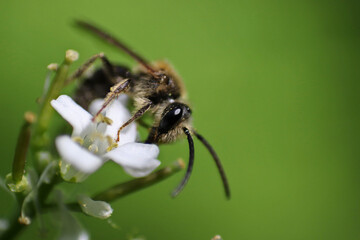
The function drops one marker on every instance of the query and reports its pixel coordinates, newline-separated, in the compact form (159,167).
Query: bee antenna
(110,39)
(190,165)
(217,161)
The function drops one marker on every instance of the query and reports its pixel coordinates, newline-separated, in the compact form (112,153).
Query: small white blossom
(93,143)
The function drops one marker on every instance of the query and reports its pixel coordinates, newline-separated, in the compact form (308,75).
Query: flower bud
(71,56)
(98,209)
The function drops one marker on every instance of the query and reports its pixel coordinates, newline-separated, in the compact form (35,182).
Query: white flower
(92,143)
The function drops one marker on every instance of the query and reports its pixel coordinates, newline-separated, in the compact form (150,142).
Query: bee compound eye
(170,119)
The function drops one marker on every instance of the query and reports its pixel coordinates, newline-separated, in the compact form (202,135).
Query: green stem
(22,148)
(15,227)
(123,189)
(111,194)
(41,141)
(46,110)
(56,86)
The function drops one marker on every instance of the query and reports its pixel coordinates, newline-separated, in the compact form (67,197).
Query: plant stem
(123,189)
(22,148)
(41,141)
(15,227)
(54,90)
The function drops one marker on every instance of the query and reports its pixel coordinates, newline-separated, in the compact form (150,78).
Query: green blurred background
(274,86)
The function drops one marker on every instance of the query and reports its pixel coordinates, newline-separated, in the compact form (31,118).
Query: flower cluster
(92,143)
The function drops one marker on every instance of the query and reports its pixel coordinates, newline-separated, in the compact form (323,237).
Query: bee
(154,88)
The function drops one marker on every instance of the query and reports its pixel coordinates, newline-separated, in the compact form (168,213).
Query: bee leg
(108,67)
(153,136)
(121,87)
(137,115)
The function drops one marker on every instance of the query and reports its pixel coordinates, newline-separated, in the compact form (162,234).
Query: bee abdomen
(98,85)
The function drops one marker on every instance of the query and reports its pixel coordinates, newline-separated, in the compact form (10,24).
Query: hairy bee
(155,88)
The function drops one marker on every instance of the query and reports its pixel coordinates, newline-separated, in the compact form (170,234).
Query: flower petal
(79,157)
(124,99)
(95,105)
(72,113)
(137,159)
(119,114)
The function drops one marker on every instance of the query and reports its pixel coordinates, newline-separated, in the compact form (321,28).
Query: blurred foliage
(274,87)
